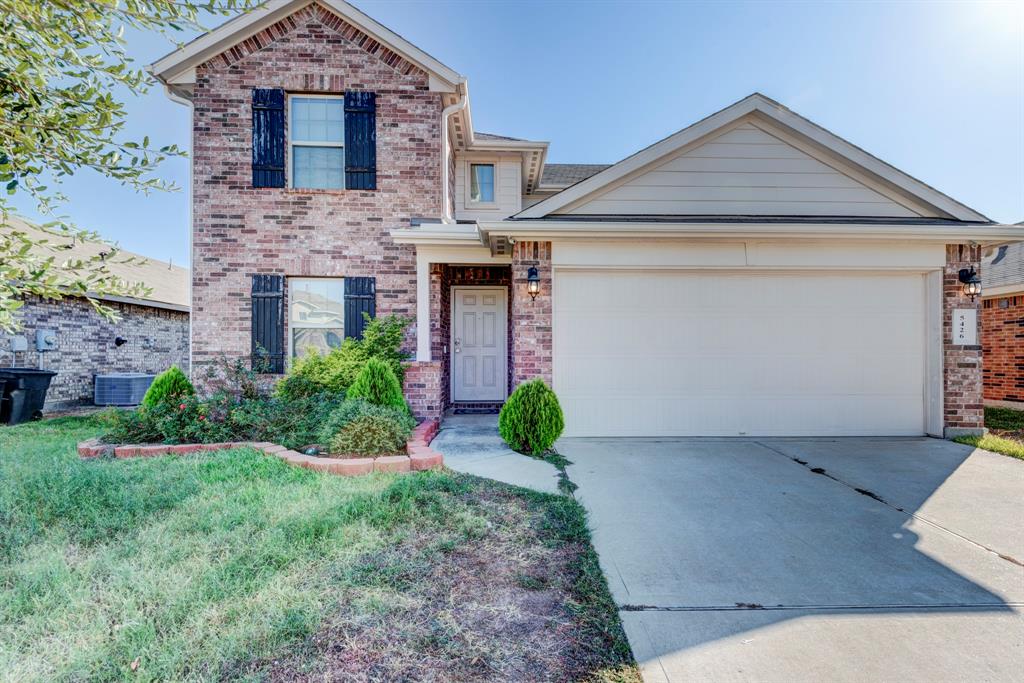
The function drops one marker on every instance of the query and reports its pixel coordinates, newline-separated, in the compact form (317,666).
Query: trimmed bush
(370,435)
(169,385)
(377,384)
(531,419)
(355,408)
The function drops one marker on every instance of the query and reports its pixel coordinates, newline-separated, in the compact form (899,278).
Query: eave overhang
(947,233)
(176,70)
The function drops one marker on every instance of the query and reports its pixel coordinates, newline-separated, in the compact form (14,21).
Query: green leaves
(61,63)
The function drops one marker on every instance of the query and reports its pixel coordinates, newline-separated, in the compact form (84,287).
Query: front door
(479,343)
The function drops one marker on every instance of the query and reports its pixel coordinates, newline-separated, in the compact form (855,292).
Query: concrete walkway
(470,444)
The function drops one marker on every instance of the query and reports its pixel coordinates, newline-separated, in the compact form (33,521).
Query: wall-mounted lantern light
(533,282)
(972,283)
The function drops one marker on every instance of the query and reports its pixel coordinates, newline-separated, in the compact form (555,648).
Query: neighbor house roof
(169,283)
(1002,271)
(756,106)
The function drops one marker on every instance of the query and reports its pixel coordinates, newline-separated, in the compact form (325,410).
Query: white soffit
(829,148)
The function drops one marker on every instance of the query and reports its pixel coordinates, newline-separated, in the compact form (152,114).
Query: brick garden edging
(419,455)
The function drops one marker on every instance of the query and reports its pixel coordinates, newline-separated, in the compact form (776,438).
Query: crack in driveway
(870,494)
(744,606)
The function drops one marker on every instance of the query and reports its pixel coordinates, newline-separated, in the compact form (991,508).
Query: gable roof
(829,146)
(177,69)
(168,283)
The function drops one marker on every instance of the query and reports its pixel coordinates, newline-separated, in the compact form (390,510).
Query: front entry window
(316,314)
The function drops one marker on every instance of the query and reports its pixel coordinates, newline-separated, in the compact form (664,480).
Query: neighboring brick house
(751,274)
(150,335)
(1002,324)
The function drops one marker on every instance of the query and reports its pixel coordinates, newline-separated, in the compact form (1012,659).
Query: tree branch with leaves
(61,63)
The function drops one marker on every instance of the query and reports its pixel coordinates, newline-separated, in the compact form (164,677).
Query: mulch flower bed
(418,456)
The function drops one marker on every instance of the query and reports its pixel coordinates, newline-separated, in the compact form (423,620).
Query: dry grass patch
(236,566)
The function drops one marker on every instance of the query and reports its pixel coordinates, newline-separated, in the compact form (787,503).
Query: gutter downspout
(446,209)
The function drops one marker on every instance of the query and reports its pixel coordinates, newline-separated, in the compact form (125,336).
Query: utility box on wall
(46,340)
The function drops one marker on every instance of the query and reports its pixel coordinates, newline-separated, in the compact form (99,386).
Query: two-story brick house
(751,274)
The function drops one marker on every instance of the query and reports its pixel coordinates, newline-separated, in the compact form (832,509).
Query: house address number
(965,326)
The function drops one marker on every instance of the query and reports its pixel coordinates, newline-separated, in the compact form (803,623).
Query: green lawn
(237,566)
(1006,433)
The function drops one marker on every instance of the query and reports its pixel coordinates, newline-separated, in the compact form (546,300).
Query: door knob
(458,345)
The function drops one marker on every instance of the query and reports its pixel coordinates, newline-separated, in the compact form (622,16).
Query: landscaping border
(419,455)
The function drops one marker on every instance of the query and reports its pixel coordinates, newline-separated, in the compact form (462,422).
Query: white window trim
(288,162)
(291,326)
(469,203)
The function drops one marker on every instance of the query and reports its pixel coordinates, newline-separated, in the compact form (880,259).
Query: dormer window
(481,183)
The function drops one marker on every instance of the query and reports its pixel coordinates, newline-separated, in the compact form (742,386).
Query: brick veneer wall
(964,407)
(423,389)
(1002,340)
(239,230)
(531,319)
(156,339)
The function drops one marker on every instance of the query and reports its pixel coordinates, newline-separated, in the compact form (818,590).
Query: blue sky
(934,88)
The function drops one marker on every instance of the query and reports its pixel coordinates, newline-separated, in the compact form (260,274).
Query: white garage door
(657,353)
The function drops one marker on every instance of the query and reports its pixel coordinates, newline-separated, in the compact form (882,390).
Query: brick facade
(155,340)
(1002,339)
(531,319)
(239,230)
(962,383)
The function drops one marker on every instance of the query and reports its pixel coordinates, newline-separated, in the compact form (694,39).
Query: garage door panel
(663,353)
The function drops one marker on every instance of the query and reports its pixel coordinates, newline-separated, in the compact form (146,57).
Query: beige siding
(507,192)
(744,171)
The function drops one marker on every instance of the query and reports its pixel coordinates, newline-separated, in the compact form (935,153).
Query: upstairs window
(316,142)
(481,183)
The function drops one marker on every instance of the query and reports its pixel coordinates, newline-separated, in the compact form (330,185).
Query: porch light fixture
(972,283)
(533,282)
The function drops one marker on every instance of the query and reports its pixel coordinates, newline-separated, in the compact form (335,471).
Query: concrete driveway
(810,559)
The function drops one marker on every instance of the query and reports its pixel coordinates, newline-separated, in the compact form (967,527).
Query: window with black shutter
(268,323)
(268,139)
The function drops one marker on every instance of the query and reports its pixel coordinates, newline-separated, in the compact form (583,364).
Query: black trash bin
(23,394)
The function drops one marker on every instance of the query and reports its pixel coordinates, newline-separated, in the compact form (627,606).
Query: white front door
(479,343)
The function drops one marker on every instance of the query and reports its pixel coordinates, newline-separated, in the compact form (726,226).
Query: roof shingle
(569,174)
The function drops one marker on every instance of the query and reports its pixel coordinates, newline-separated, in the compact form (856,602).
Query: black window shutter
(268,322)
(360,297)
(268,142)
(360,140)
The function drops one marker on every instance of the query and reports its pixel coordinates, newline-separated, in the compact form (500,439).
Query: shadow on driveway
(800,559)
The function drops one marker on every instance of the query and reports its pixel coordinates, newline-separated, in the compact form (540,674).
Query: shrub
(337,371)
(169,385)
(370,435)
(378,385)
(293,423)
(355,408)
(129,426)
(531,419)
(194,420)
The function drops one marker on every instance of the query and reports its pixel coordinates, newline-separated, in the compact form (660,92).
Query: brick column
(422,389)
(963,410)
(531,319)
